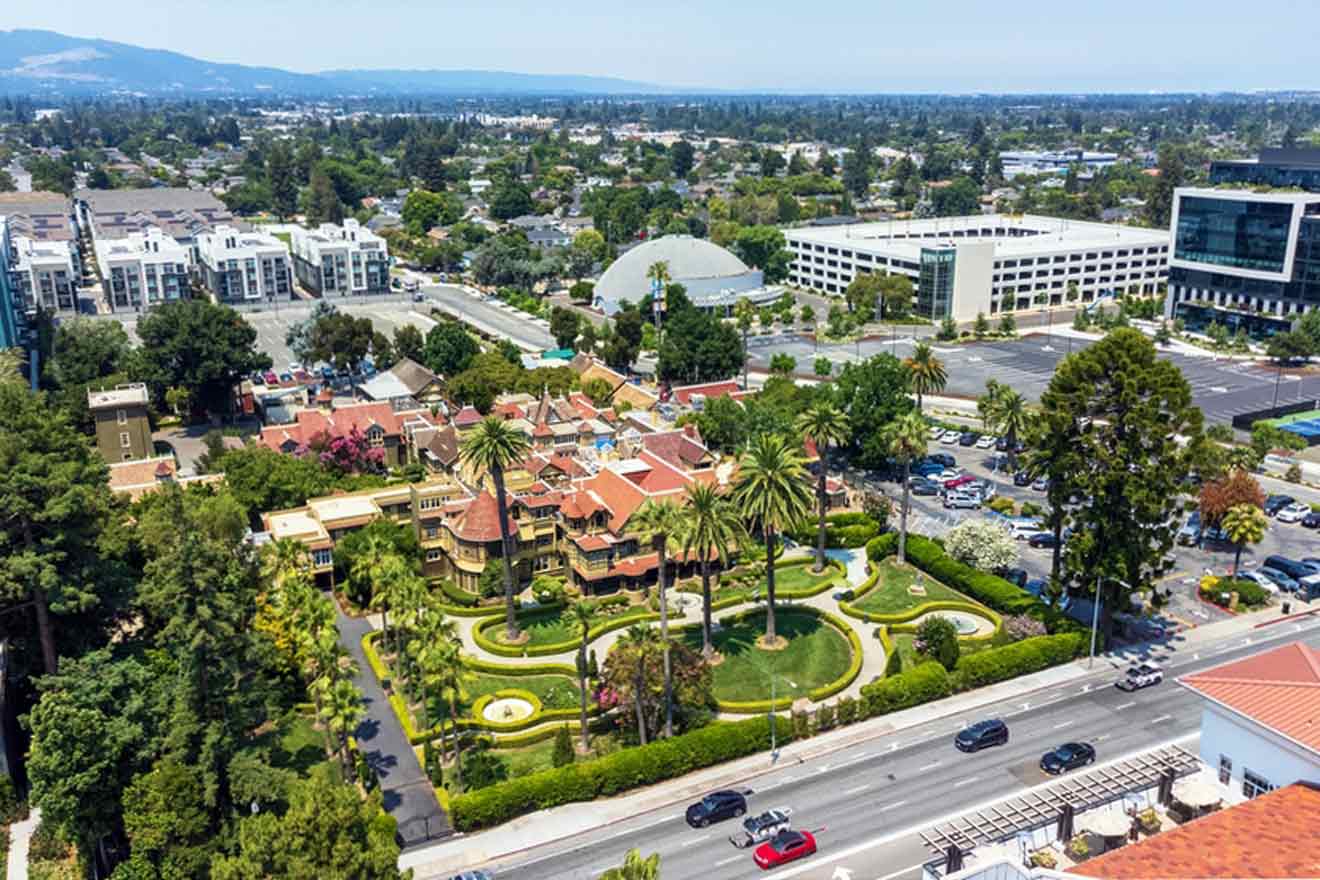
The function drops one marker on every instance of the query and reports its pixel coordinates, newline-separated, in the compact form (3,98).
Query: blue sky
(846,45)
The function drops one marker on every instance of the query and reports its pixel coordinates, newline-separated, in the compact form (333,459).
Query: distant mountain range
(46,62)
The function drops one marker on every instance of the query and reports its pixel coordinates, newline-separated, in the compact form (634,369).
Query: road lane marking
(893,806)
(1161,719)
(693,841)
(857,789)
(1062,724)
(1101,738)
(926,767)
(968,781)
(1125,706)
(729,861)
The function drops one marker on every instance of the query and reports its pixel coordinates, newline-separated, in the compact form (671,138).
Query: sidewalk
(20,839)
(548,826)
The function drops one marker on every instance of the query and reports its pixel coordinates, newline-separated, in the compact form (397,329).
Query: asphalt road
(1221,388)
(867,802)
(492,317)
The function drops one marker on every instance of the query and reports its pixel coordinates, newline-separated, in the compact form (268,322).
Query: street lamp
(1095,615)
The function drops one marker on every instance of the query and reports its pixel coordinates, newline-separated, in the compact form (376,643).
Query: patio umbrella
(953,859)
(1064,830)
(1198,793)
(1166,787)
(1108,823)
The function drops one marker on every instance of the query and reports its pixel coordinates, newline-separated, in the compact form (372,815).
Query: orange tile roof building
(1273,835)
(1260,721)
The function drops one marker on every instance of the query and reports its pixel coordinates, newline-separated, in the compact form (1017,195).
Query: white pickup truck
(759,829)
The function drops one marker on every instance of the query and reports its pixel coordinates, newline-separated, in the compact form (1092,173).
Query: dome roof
(689,259)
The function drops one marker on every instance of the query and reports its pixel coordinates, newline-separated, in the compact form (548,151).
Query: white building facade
(143,270)
(990,264)
(347,260)
(238,267)
(44,274)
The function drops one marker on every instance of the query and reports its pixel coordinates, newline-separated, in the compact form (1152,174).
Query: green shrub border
(489,645)
(900,622)
(840,572)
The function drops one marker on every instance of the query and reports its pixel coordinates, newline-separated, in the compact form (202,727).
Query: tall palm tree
(582,614)
(366,566)
(1243,524)
(640,639)
(906,438)
(492,446)
(1007,413)
(387,576)
(772,491)
(284,558)
(660,522)
(454,678)
(826,426)
(341,712)
(926,372)
(635,867)
(433,633)
(711,527)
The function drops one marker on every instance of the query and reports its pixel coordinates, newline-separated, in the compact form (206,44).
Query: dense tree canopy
(200,346)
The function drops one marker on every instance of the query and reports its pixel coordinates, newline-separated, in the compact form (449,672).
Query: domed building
(713,277)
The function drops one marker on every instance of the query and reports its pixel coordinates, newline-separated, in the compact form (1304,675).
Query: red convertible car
(785,847)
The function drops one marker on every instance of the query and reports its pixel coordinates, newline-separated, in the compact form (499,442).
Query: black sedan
(1042,540)
(981,735)
(1068,756)
(1312,520)
(925,487)
(716,807)
(1022,479)
(1274,503)
(968,438)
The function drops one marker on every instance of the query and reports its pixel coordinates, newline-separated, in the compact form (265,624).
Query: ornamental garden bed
(817,655)
(552,631)
(793,579)
(554,692)
(891,595)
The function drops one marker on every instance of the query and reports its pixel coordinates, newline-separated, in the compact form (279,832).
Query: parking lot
(1222,388)
(1185,608)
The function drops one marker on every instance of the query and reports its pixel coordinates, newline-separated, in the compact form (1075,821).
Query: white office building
(239,267)
(1017,162)
(142,270)
(44,274)
(347,260)
(987,264)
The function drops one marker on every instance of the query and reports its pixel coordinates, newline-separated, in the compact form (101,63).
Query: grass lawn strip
(554,691)
(903,644)
(817,655)
(890,594)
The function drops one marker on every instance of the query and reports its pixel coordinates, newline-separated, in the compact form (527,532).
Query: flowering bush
(1019,626)
(349,454)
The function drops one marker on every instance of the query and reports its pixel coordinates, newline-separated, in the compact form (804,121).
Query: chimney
(690,430)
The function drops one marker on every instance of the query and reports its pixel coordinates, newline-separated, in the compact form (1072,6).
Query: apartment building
(989,264)
(179,213)
(142,270)
(11,317)
(347,260)
(123,426)
(45,275)
(1246,251)
(243,267)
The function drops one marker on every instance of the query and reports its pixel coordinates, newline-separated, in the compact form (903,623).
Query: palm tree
(926,372)
(284,558)
(492,446)
(366,565)
(635,867)
(454,677)
(341,712)
(1243,524)
(1008,414)
(826,426)
(772,491)
(906,438)
(711,527)
(582,614)
(387,584)
(660,521)
(640,639)
(433,634)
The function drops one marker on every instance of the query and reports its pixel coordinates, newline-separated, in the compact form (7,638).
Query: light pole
(1095,616)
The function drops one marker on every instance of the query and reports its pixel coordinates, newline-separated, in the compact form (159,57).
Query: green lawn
(817,655)
(903,642)
(554,626)
(554,691)
(890,595)
(793,577)
(293,743)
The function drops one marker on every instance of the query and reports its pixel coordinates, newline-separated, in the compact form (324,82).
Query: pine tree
(563,753)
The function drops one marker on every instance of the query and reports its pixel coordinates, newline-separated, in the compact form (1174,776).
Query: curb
(1264,623)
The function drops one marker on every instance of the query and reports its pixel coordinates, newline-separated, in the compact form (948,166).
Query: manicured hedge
(1020,658)
(458,595)
(476,664)
(479,706)
(486,643)
(615,773)
(824,692)
(918,685)
(851,529)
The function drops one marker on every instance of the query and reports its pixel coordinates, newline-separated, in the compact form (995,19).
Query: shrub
(894,662)
(12,806)
(1294,473)
(614,773)
(1249,593)
(1031,508)
(825,716)
(938,638)
(801,725)
(1001,504)
(1020,627)
(482,768)
(1021,658)
(456,594)
(563,753)
(926,682)
(847,710)
(982,543)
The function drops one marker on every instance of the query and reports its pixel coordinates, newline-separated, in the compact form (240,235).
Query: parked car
(986,442)
(1284,581)
(1308,588)
(936,432)
(981,735)
(962,500)
(257,379)
(1042,540)
(1001,444)
(1275,503)
(286,378)
(943,458)
(1038,587)
(1022,479)
(1015,576)
(1291,567)
(1140,676)
(1190,534)
(1293,513)
(949,474)
(785,847)
(1041,484)
(759,829)
(1068,756)
(949,438)
(984,488)
(271,378)
(968,438)
(957,481)
(716,807)
(1259,580)
(1023,531)
(923,486)
(927,468)
(472,875)
(1311,520)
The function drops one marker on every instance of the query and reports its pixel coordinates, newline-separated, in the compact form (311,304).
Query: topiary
(893,663)
(563,753)
(937,638)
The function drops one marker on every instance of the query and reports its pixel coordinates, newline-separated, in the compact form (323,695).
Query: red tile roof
(1262,837)
(508,411)
(591,542)
(679,448)
(467,416)
(1279,689)
(340,423)
(683,394)
(480,522)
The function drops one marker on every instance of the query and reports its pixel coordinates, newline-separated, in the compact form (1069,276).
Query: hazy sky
(845,45)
